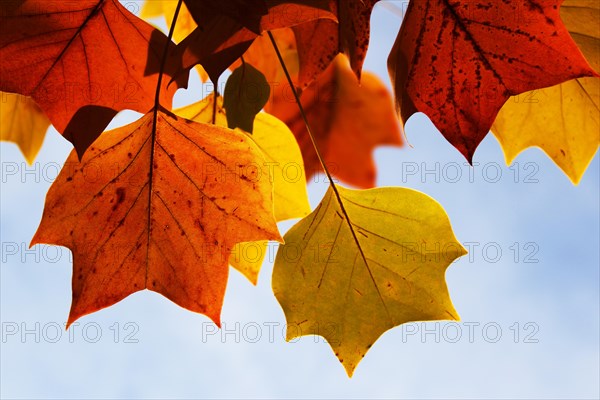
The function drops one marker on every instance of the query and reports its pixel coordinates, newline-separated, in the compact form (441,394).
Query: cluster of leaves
(195,188)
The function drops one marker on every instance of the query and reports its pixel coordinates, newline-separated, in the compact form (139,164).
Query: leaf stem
(154,122)
(302,113)
(312,137)
(319,155)
(164,58)
(243,76)
(214,110)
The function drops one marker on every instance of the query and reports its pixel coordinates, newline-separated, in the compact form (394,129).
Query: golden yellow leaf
(22,122)
(350,285)
(152,9)
(284,162)
(248,258)
(563,120)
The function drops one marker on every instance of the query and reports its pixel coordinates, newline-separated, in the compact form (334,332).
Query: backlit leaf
(166,8)
(220,39)
(319,41)
(247,13)
(563,120)
(82,62)
(458,62)
(351,282)
(185,23)
(284,162)
(162,210)
(349,120)
(22,122)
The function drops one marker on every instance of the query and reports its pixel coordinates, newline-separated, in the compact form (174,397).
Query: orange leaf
(348,120)
(158,207)
(458,62)
(82,62)
(263,57)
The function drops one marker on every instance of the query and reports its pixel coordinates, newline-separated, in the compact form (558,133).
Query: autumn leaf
(458,62)
(246,93)
(262,56)
(82,62)
(247,13)
(563,120)
(171,199)
(317,45)
(22,122)
(351,273)
(284,160)
(320,40)
(349,121)
(248,258)
(185,23)
(169,202)
(166,8)
(220,39)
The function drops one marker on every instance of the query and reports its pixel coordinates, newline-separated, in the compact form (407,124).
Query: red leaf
(247,13)
(459,61)
(221,38)
(321,40)
(82,62)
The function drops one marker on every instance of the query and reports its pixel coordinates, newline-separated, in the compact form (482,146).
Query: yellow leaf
(352,285)
(248,257)
(152,9)
(563,120)
(22,122)
(185,22)
(285,164)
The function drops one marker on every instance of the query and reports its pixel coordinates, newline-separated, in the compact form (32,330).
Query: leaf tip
(36,239)
(461,250)
(349,369)
(350,365)
(468,153)
(281,240)
(68,324)
(215,315)
(29,155)
(73,316)
(575,178)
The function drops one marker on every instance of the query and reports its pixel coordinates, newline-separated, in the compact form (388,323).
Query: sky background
(530,320)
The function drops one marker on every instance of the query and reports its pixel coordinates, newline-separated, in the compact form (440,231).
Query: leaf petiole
(318,151)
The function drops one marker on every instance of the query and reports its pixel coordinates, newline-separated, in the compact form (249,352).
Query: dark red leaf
(459,61)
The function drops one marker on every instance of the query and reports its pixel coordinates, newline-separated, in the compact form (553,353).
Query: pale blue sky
(552,302)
